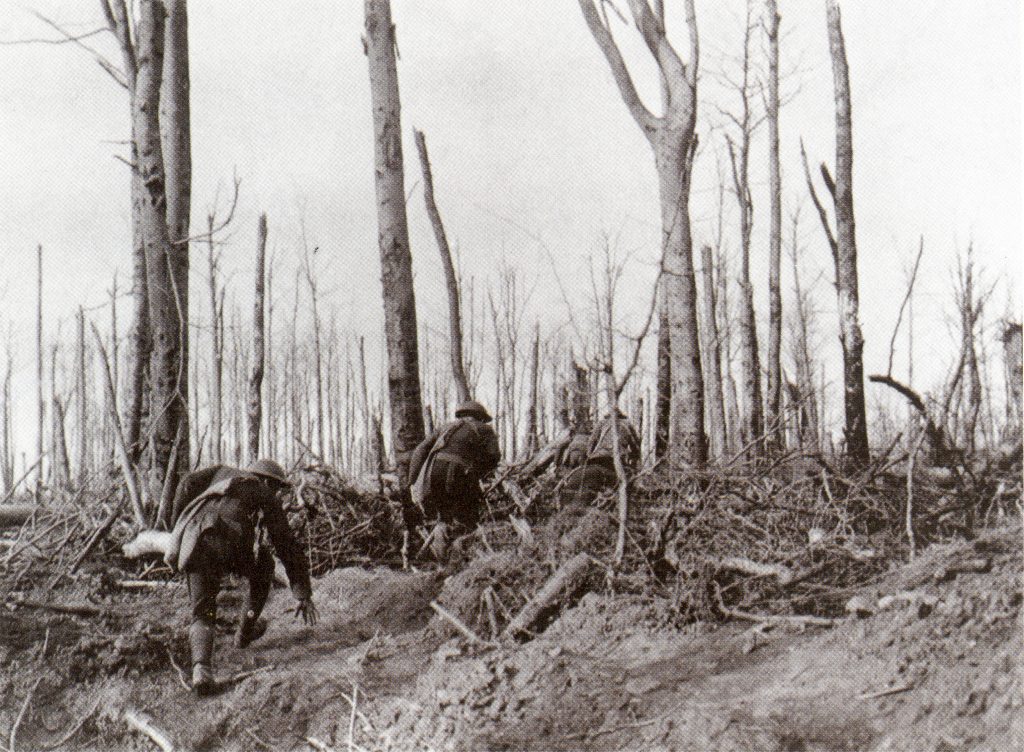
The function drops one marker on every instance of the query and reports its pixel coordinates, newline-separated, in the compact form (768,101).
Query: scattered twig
(182,676)
(21,715)
(246,674)
(588,735)
(143,723)
(318,745)
(885,692)
(455,622)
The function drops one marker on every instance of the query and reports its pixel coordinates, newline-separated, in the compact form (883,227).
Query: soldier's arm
(287,548)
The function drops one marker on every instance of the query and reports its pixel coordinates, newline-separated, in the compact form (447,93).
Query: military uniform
(215,516)
(449,464)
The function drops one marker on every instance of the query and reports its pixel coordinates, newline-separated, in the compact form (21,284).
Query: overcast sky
(531,148)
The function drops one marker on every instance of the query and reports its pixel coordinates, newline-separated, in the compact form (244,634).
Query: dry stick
(179,670)
(21,715)
(454,621)
(817,621)
(169,486)
(98,535)
(122,450)
(73,609)
(910,495)
(14,486)
(143,723)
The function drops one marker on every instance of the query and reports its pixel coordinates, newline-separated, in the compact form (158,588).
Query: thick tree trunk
(393,237)
(715,406)
(258,354)
(846,249)
(687,441)
(532,430)
(175,134)
(60,471)
(167,304)
(83,405)
(450,279)
(773,402)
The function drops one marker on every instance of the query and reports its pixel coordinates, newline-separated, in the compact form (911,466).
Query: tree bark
(672,140)
(83,405)
(450,279)
(774,388)
(217,350)
(846,249)
(167,304)
(663,393)
(532,430)
(393,237)
(258,334)
(715,407)
(176,144)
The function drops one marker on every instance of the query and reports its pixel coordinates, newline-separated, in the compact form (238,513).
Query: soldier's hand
(307,611)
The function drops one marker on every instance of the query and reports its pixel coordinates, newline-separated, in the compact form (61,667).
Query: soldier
(215,516)
(583,484)
(447,466)
(602,445)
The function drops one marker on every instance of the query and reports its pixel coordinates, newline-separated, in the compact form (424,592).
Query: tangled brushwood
(342,525)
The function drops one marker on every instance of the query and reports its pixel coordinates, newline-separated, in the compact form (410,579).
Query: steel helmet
(269,469)
(474,409)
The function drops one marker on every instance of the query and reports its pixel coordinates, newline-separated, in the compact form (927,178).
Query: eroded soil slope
(931,664)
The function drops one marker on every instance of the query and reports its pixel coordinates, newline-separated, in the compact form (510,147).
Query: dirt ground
(935,666)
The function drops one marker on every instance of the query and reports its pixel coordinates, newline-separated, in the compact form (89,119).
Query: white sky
(524,124)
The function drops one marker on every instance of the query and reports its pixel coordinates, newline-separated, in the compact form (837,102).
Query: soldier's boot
(200,637)
(251,627)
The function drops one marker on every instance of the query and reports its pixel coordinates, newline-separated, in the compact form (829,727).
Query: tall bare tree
(41,406)
(164,263)
(844,245)
(393,236)
(258,339)
(711,344)
(450,279)
(672,139)
(739,157)
(773,402)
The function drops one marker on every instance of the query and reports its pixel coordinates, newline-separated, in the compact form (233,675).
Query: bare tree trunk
(750,366)
(451,281)
(715,405)
(532,433)
(970,311)
(41,413)
(216,349)
(309,260)
(846,249)
(663,397)
(729,392)
(774,388)
(1014,378)
(164,263)
(83,411)
(175,135)
(6,456)
(804,363)
(393,237)
(60,472)
(258,354)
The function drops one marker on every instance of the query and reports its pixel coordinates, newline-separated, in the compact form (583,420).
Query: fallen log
(13,515)
(147,542)
(565,580)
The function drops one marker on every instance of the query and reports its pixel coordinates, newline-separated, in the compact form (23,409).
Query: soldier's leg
(261,577)
(203,587)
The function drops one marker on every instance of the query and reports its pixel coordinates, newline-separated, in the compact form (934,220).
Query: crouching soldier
(217,515)
(446,469)
(597,473)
